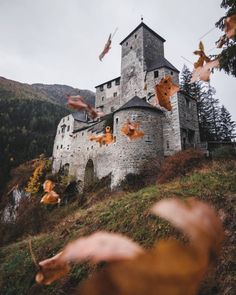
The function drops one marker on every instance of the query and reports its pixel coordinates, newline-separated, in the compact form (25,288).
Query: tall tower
(142,52)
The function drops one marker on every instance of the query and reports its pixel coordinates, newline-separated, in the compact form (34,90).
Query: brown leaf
(101,246)
(106,48)
(106,138)
(132,130)
(170,268)
(164,90)
(203,73)
(48,185)
(196,219)
(230,26)
(52,269)
(50,198)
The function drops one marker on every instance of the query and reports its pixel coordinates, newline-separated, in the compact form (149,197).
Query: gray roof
(117,78)
(160,63)
(137,102)
(146,27)
(80,116)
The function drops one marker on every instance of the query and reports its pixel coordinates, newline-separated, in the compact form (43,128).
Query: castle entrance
(89,175)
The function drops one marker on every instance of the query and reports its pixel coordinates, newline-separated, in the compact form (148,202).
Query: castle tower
(142,52)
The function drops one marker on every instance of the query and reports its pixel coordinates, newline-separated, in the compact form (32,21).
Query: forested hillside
(28,119)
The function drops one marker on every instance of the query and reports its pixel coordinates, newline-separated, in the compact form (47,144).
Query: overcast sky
(59,41)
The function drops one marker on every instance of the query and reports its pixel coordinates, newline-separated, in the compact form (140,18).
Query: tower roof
(137,102)
(160,63)
(146,27)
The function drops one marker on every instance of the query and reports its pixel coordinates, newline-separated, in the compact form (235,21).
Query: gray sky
(59,41)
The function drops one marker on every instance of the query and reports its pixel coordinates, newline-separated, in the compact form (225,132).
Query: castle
(125,98)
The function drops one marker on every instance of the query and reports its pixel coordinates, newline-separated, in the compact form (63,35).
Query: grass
(128,214)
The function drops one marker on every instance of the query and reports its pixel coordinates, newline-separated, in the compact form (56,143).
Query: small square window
(156,74)
(117,82)
(115,94)
(101,88)
(172,73)
(135,36)
(57,147)
(103,98)
(127,44)
(109,85)
(61,146)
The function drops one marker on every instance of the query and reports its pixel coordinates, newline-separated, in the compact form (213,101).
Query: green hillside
(127,213)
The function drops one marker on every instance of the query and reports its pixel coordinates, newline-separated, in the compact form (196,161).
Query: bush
(224,152)
(179,164)
(132,182)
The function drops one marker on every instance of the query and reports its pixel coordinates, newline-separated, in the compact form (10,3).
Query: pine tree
(228,55)
(227,126)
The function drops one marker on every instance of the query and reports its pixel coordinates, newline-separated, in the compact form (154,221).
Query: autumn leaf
(50,198)
(48,186)
(164,90)
(106,48)
(132,130)
(103,139)
(230,26)
(203,73)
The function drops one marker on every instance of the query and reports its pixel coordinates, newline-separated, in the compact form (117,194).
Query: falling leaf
(203,73)
(106,48)
(196,219)
(50,198)
(221,41)
(132,130)
(170,267)
(103,139)
(164,90)
(230,26)
(202,56)
(77,102)
(52,269)
(48,186)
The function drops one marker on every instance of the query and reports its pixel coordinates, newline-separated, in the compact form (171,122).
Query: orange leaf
(50,198)
(230,26)
(48,185)
(106,138)
(132,130)
(52,269)
(164,90)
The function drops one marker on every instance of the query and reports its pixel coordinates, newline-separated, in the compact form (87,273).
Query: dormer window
(101,88)
(156,74)
(109,85)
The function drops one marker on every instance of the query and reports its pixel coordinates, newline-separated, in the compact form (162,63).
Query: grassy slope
(128,214)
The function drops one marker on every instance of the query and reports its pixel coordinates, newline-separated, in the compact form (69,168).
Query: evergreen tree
(228,54)
(227,126)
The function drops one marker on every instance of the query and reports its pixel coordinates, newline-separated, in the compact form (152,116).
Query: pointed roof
(146,27)
(137,102)
(160,63)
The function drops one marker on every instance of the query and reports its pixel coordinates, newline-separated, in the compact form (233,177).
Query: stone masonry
(125,98)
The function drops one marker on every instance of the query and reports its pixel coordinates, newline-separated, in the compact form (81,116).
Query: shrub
(132,182)
(179,164)
(224,152)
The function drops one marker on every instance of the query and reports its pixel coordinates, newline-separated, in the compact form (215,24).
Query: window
(167,144)
(101,88)
(68,128)
(82,133)
(63,128)
(109,85)
(57,147)
(117,82)
(61,146)
(115,94)
(135,36)
(156,74)
(127,44)
(172,73)
(117,120)
(131,47)
(103,98)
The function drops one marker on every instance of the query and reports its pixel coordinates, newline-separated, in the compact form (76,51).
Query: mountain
(29,115)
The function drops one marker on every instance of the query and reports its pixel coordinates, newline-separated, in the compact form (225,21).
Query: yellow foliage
(34,184)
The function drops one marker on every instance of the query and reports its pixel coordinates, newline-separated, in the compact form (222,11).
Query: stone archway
(89,175)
